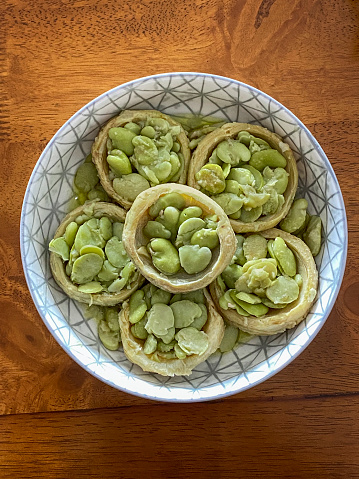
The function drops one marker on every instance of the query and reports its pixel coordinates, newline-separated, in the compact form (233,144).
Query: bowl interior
(47,201)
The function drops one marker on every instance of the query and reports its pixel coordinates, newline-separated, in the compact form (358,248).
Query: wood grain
(55,56)
(264,439)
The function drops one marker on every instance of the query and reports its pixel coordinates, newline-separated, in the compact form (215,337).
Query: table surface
(56,420)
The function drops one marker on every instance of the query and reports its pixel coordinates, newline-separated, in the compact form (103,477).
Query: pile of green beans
(169,325)
(94,256)
(143,154)
(262,276)
(180,237)
(246,177)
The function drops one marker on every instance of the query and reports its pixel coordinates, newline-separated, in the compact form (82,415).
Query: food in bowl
(249,171)
(170,334)
(87,256)
(182,240)
(178,238)
(271,284)
(47,200)
(138,149)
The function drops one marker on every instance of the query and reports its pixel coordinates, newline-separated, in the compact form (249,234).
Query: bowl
(47,199)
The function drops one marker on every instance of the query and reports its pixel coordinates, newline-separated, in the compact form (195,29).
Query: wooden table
(56,420)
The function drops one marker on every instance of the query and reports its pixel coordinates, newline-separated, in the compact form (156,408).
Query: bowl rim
(205,391)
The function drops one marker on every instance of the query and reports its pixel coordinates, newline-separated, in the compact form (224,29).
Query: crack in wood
(263,12)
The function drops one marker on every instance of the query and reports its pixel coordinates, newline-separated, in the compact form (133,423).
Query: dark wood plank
(288,438)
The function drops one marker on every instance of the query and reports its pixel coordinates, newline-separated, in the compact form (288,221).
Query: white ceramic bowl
(46,203)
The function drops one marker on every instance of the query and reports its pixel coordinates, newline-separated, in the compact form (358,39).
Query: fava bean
(271,305)
(284,257)
(295,217)
(145,150)
(249,216)
(97,194)
(170,219)
(177,167)
(232,186)
(116,253)
(312,236)
(117,285)
(248,298)
(271,205)
(109,338)
(119,163)
(164,256)
(133,127)
(159,124)
(255,247)
(199,322)
(269,157)
(283,290)
(235,303)
(187,230)
(194,258)
(226,169)
(194,296)
(92,249)
(127,271)
(130,186)
(185,312)
(211,178)
(244,137)
(229,202)
(252,199)
(258,178)
(232,152)
(108,272)
(85,268)
(90,288)
(150,344)
(159,296)
(60,247)
(86,177)
(192,341)
(89,234)
(253,309)
(179,352)
(154,229)
(279,177)
(239,257)
(122,139)
(139,329)
(214,160)
(205,237)
(70,233)
(165,348)
(105,228)
(112,318)
(169,336)
(160,319)
(230,275)
(190,212)
(170,199)
(229,338)
(242,176)
(138,307)
(163,171)
(148,131)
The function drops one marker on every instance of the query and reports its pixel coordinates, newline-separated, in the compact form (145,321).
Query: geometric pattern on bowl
(46,203)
